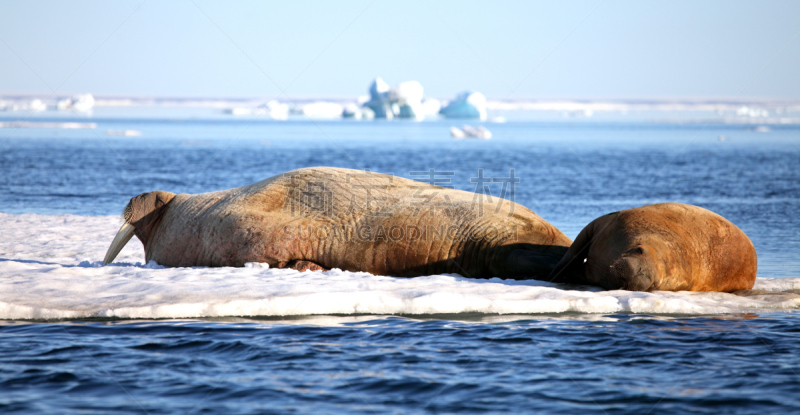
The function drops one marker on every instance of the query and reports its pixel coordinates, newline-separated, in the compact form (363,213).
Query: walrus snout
(632,272)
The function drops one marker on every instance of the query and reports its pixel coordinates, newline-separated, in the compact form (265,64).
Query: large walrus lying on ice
(322,218)
(667,246)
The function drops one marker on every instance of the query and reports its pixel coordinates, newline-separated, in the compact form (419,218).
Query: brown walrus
(667,246)
(323,218)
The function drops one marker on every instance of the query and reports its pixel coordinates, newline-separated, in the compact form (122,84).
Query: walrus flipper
(302,265)
(531,264)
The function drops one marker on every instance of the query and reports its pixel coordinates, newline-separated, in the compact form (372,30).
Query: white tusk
(124,235)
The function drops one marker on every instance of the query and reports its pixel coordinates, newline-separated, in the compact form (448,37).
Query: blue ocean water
(570,173)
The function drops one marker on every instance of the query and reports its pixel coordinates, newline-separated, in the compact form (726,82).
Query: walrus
(666,246)
(322,218)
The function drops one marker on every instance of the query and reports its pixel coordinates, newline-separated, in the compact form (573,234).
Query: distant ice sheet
(50,269)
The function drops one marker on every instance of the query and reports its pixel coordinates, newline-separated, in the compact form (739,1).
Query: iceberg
(37,105)
(277,111)
(34,105)
(378,90)
(403,101)
(82,103)
(357,113)
(241,111)
(379,99)
(407,92)
(351,111)
(9,106)
(467,104)
(273,109)
(367,113)
(64,104)
(408,96)
(431,106)
(322,109)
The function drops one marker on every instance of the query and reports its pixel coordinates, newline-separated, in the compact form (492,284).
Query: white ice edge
(50,269)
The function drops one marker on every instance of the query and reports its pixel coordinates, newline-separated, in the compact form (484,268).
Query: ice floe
(273,109)
(36,124)
(34,105)
(50,268)
(124,133)
(467,131)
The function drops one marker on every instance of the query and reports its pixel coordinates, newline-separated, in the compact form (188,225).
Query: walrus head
(633,270)
(141,215)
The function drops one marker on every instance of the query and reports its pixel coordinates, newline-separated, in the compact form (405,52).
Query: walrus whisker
(124,235)
(127,213)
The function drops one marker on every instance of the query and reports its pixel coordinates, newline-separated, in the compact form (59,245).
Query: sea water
(137,337)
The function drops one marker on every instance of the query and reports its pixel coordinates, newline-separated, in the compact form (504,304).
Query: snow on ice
(50,268)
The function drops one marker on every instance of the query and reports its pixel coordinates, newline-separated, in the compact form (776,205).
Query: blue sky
(514,49)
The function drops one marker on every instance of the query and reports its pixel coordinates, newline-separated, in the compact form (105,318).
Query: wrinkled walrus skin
(667,246)
(323,218)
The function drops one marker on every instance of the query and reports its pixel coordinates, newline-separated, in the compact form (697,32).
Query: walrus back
(405,227)
(350,219)
(711,252)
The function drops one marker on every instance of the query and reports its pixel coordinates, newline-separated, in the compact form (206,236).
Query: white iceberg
(379,101)
(37,105)
(752,112)
(409,91)
(351,111)
(367,113)
(272,109)
(467,104)
(378,90)
(64,104)
(9,106)
(322,109)
(408,97)
(241,111)
(431,106)
(277,111)
(403,101)
(34,105)
(357,113)
(82,103)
